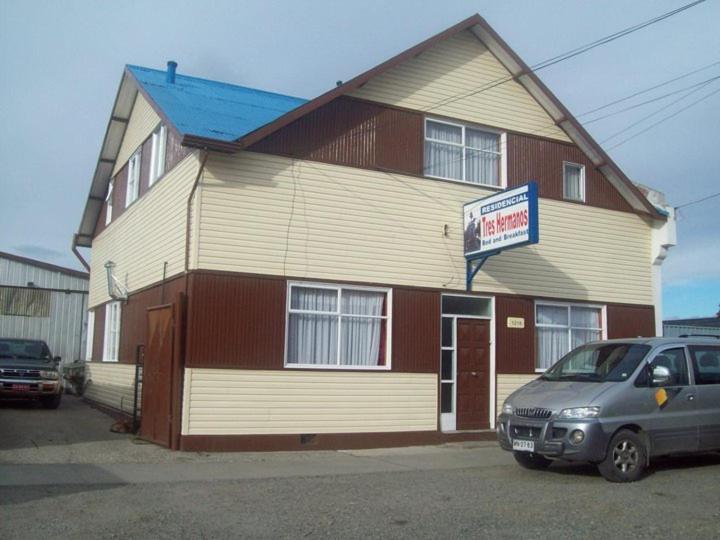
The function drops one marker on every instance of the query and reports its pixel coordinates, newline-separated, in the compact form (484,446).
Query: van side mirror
(660,375)
(57,360)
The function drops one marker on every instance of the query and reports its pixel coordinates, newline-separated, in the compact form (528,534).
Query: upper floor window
(574,181)
(562,327)
(109,202)
(157,157)
(458,152)
(111,344)
(338,327)
(133,178)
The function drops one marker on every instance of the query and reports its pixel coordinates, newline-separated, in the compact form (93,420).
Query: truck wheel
(51,402)
(532,461)
(626,458)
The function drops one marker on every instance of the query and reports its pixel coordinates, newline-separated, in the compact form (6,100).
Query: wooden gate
(160,381)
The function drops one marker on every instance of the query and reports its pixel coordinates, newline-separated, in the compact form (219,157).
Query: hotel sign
(503,221)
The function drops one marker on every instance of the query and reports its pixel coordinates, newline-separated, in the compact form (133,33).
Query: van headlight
(580,412)
(53,375)
(507,408)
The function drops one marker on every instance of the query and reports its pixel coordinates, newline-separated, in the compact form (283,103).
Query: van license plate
(523,446)
(21,387)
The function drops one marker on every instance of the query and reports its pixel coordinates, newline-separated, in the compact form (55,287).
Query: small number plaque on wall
(515,322)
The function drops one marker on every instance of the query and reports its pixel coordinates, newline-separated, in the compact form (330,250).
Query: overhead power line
(569,54)
(646,90)
(653,100)
(655,113)
(698,201)
(665,119)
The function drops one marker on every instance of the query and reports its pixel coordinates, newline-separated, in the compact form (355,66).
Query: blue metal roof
(212,109)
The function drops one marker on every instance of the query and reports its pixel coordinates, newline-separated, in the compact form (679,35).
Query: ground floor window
(562,327)
(338,326)
(111,344)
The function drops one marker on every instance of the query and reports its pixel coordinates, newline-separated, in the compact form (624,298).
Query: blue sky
(61,62)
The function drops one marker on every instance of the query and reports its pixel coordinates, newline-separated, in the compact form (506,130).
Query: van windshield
(598,362)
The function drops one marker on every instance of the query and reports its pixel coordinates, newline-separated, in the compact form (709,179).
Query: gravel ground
(424,492)
(492,502)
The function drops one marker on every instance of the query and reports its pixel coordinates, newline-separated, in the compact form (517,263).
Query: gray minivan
(617,404)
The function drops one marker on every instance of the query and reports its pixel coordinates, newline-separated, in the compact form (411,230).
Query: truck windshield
(598,362)
(23,349)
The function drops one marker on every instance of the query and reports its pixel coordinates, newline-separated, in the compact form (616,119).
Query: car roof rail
(699,335)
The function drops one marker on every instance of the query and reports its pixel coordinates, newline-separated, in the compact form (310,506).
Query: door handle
(691,397)
(474,373)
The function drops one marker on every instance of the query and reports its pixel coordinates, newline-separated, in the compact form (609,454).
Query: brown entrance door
(157,380)
(473,374)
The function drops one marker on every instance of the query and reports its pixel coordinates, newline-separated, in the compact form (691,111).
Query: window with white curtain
(111,344)
(337,326)
(574,181)
(157,154)
(133,179)
(458,152)
(562,327)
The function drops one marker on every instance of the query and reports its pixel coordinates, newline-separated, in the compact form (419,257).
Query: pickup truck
(29,371)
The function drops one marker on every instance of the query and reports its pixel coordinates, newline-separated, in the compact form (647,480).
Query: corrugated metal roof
(212,109)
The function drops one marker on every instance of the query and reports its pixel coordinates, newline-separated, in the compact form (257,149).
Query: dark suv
(29,371)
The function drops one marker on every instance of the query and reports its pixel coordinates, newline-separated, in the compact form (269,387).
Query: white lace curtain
(315,323)
(562,328)
(445,151)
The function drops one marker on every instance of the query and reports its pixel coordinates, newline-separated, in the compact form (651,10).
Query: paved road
(63,488)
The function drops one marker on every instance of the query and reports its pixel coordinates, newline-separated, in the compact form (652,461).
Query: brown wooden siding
(515,349)
(98,333)
(236,321)
(239,322)
(133,319)
(355,133)
(630,321)
(174,151)
(174,154)
(416,331)
(367,135)
(133,322)
(531,158)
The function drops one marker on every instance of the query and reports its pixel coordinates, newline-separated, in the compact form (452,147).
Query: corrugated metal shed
(675,330)
(212,109)
(44,301)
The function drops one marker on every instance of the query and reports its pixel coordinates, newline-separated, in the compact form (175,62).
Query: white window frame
(109,202)
(133,178)
(502,172)
(567,164)
(569,327)
(111,336)
(89,335)
(158,153)
(387,318)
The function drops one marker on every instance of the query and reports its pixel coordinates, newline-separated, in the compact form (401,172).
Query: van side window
(675,362)
(706,363)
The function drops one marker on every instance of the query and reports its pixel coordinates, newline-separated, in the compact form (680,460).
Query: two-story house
(295,269)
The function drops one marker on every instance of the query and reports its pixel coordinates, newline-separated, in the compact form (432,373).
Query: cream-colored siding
(143,120)
(148,234)
(462,66)
(269,215)
(111,384)
(507,384)
(244,402)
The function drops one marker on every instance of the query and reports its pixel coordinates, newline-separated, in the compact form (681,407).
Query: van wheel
(532,461)
(626,458)
(51,402)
